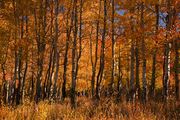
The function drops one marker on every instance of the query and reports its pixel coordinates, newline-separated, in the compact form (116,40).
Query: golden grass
(87,109)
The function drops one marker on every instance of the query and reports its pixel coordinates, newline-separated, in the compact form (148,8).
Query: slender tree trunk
(26,64)
(167,53)
(80,37)
(14,88)
(41,44)
(120,75)
(4,88)
(68,33)
(153,78)
(127,69)
(94,63)
(76,51)
(112,47)
(46,86)
(74,57)
(56,74)
(65,66)
(166,71)
(20,62)
(132,72)
(56,53)
(176,61)
(52,56)
(176,69)
(31,82)
(39,60)
(144,83)
(138,90)
(102,55)
(131,89)
(32,87)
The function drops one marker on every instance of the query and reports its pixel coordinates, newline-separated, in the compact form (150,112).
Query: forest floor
(87,109)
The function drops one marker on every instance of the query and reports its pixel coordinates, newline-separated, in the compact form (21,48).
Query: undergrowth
(87,109)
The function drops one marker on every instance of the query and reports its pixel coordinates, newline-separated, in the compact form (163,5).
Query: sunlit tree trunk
(50,75)
(15,55)
(166,71)
(20,62)
(167,53)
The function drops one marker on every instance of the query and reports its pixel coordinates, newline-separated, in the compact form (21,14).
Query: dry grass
(86,109)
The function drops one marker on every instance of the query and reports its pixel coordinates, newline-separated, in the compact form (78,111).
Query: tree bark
(138,89)
(56,51)
(131,92)
(94,63)
(26,64)
(68,33)
(102,55)
(112,51)
(74,56)
(153,78)
(41,45)
(120,75)
(144,83)
(176,69)
(167,53)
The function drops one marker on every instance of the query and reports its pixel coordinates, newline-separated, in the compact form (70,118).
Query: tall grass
(87,109)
